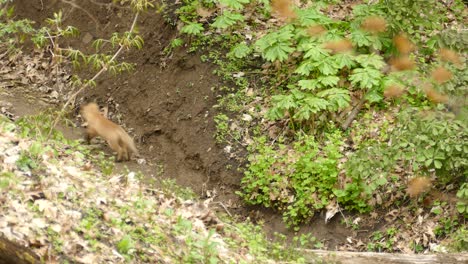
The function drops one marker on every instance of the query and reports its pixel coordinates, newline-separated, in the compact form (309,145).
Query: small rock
(87,38)
(227,149)
(247,117)
(238,75)
(54,94)
(250,92)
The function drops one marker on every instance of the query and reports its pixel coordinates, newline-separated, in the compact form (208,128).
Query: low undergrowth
(342,105)
(71,204)
(68,201)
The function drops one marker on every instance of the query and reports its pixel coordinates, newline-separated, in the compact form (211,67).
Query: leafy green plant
(40,127)
(106,164)
(462,195)
(318,87)
(57,243)
(222,127)
(308,88)
(365,176)
(240,51)
(276,45)
(264,249)
(198,248)
(422,143)
(382,241)
(234,4)
(173,45)
(12,32)
(29,159)
(297,181)
(6,179)
(170,187)
(227,19)
(434,141)
(460,238)
(192,29)
(446,226)
(126,246)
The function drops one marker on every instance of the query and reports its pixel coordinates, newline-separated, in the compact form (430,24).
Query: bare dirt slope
(167,103)
(167,99)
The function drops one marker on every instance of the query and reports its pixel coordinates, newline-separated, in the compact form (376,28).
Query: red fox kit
(115,136)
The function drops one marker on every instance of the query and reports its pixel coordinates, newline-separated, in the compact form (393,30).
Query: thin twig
(353,113)
(225,208)
(109,4)
(103,69)
(75,5)
(51,39)
(346,219)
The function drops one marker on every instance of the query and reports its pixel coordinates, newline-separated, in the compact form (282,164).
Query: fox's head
(89,109)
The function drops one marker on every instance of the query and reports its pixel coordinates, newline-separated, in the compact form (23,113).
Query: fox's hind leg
(124,150)
(116,147)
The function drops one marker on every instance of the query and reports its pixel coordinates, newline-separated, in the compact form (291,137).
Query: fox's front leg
(90,134)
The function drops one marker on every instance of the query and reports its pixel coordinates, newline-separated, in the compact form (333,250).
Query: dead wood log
(347,257)
(11,252)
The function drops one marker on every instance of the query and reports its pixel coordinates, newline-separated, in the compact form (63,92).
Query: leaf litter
(69,209)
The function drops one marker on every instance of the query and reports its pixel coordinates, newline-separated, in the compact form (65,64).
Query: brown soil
(168,102)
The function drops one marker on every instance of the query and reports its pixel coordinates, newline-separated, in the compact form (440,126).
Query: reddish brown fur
(403,44)
(393,91)
(441,75)
(316,30)
(402,63)
(339,46)
(450,55)
(283,8)
(116,137)
(434,96)
(418,185)
(374,24)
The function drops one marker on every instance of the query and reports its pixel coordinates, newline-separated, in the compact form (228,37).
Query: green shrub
(12,31)
(423,143)
(462,195)
(297,181)
(432,141)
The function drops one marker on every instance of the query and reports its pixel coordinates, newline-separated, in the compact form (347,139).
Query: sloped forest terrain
(263,127)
